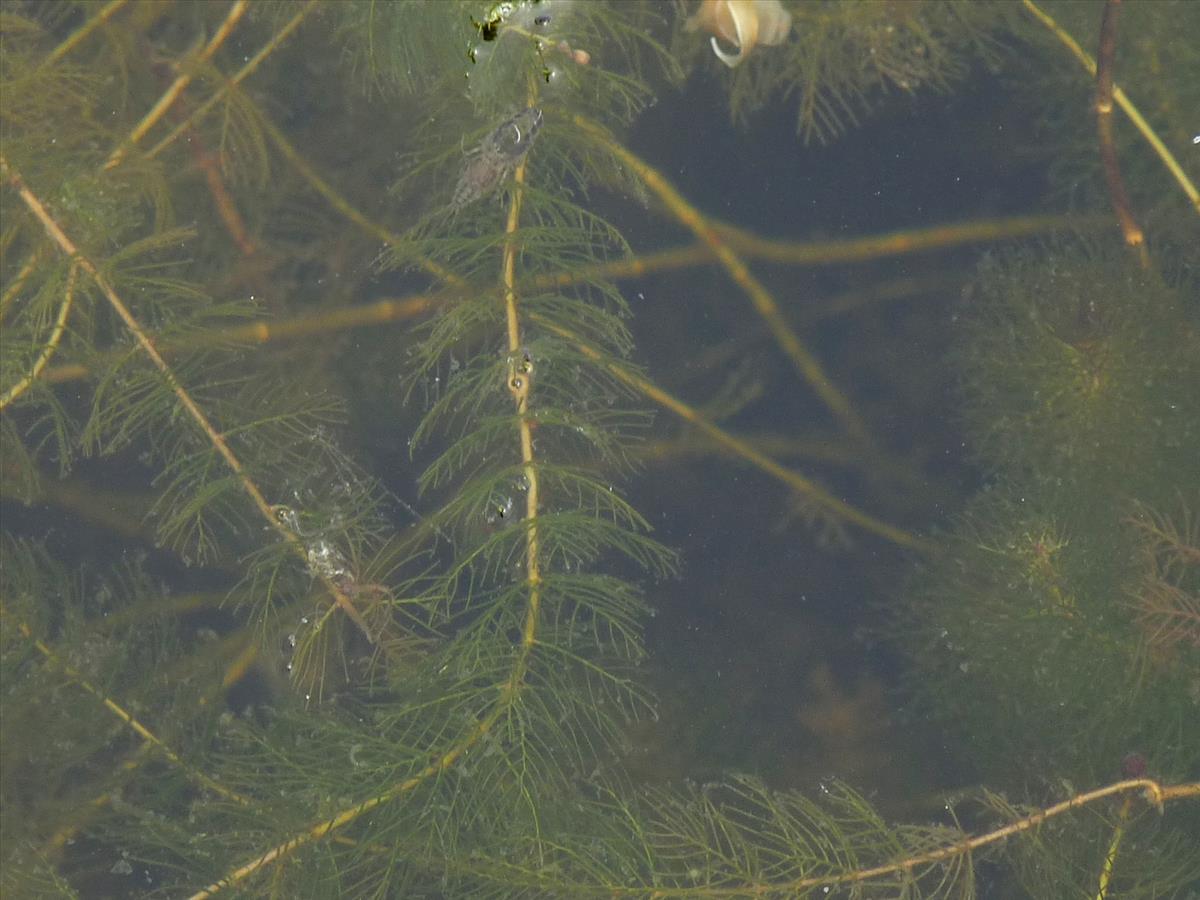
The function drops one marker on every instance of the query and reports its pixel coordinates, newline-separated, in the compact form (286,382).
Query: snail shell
(743,23)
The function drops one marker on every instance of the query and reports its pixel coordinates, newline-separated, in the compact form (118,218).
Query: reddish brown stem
(1105,55)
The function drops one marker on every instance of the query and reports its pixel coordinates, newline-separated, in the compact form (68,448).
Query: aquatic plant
(239,656)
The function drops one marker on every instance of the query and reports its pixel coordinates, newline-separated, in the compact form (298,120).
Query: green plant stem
(109,10)
(214,437)
(242,74)
(806,363)
(179,85)
(1123,101)
(128,718)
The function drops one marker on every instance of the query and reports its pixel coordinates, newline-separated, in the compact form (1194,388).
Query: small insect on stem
(496,157)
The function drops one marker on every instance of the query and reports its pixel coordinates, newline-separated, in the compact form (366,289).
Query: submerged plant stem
(80,34)
(1157,794)
(805,362)
(56,333)
(1152,790)
(742,448)
(219,443)
(345,207)
(179,85)
(1123,101)
(516,678)
(242,74)
(128,718)
(1134,238)
(520,384)
(800,253)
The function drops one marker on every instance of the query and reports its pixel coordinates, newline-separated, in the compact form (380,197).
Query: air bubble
(500,511)
(288,517)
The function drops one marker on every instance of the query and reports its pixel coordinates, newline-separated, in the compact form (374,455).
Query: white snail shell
(742,23)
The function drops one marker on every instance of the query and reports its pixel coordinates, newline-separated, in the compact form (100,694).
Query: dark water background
(770,651)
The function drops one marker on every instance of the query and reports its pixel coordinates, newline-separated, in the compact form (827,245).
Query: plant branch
(56,333)
(1156,794)
(32,261)
(744,449)
(1164,154)
(345,207)
(218,442)
(121,713)
(80,34)
(519,383)
(801,253)
(179,85)
(806,363)
(1152,790)
(242,74)
(1105,56)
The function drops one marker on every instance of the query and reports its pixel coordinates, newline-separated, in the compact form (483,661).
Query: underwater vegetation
(329,383)
(496,157)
